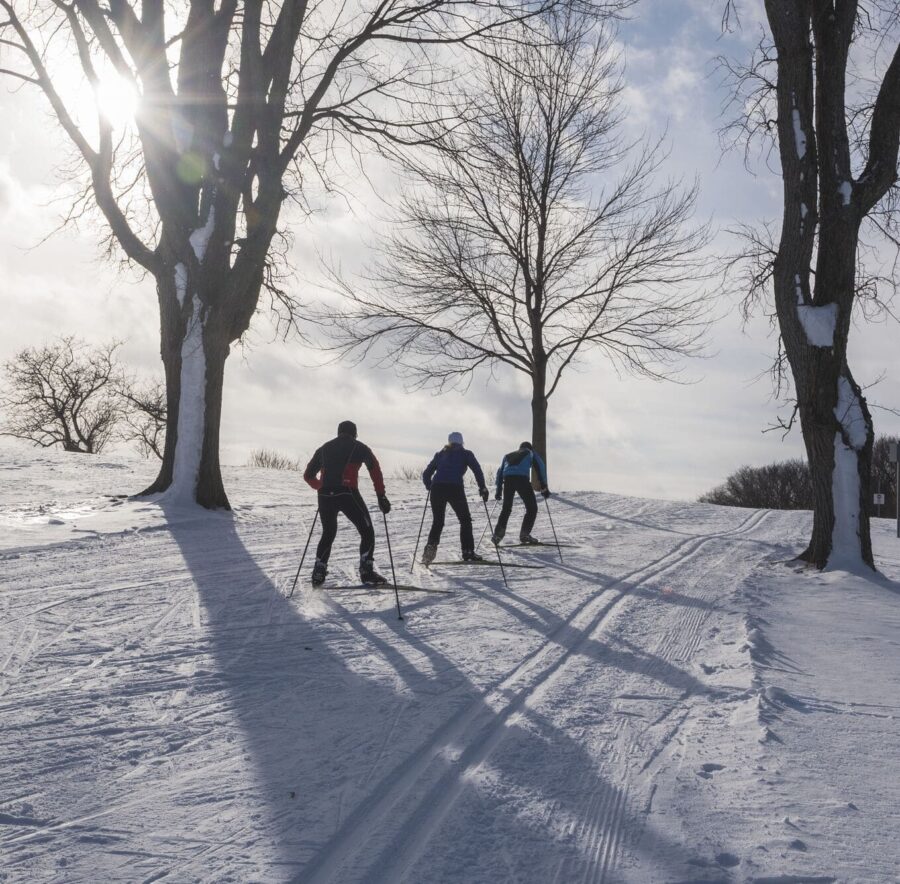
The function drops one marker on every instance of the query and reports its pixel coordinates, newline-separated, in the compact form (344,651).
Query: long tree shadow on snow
(311,707)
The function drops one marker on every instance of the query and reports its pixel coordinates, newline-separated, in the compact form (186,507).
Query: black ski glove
(485,494)
(498,495)
(427,483)
(545,492)
(384,504)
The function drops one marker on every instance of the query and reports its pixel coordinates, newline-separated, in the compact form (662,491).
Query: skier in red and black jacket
(334,472)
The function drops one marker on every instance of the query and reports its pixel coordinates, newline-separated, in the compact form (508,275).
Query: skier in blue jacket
(443,477)
(514,477)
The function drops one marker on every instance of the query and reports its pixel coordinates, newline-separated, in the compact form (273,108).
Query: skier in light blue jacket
(514,477)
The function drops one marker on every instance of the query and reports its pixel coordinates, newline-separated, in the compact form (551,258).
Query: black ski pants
(521,485)
(443,493)
(349,502)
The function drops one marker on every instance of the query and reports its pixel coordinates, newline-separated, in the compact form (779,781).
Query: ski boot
(498,536)
(368,576)
(528,540)
(320,569)
(429,553)
(469,555)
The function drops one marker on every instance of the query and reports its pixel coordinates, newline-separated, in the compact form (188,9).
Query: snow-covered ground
(670,703)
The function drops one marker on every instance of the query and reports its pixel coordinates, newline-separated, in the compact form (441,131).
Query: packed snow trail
(168,714)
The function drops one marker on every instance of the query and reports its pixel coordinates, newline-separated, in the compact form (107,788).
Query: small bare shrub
(406,471)
(272,460)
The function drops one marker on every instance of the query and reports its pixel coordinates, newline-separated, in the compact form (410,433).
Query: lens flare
(117,100)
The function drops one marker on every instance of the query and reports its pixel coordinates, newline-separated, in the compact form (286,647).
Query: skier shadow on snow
(351,769)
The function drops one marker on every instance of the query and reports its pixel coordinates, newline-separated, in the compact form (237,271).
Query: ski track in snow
(484,722)
(169,715)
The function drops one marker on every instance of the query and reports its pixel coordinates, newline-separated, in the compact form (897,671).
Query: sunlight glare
(117,100)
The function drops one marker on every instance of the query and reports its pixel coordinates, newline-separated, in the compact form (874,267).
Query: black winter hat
(347,428)
(526,445)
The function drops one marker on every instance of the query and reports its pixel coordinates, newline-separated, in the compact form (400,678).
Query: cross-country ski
(489,564)
(385,587)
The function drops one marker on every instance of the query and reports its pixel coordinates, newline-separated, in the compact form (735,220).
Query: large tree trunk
(821,217)
(839,447)
(195,345)
(539,420)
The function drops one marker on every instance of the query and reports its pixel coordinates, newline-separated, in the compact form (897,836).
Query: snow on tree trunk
(191,412)
(850,481)
(839,447)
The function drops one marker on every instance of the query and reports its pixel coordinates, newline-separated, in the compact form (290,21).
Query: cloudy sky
(606,432)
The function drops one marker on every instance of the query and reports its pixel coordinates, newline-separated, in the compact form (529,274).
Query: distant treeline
(786,485)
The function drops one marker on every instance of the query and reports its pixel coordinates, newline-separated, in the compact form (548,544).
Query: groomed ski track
(186,721)
(481,727)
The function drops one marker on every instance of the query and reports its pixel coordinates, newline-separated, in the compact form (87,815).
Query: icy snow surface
(671,703)
(818,323)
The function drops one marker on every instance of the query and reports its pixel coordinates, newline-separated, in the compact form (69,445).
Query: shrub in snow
(272,460)
(777,486)
(786,485)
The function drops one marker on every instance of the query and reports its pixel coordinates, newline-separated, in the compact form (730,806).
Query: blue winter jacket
(518,463)
(449,465)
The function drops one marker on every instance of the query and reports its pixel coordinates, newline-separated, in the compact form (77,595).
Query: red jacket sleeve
(374,469)
(310,474)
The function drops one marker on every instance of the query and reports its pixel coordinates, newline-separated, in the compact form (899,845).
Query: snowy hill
(670,703)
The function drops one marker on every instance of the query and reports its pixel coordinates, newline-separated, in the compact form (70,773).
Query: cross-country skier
(444,478)
(338,462)
(514,477)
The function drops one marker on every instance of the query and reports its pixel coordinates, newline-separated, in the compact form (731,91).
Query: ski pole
(412,564)
(478,545)
(303,557)
(555,538)
(387,534)
(496,545)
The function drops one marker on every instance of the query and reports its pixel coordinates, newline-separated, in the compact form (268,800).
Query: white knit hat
(455,439)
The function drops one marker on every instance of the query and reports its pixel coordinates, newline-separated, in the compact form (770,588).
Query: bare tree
(535,234)
(63,393)
(838,160)
(240,104)
(144,416)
